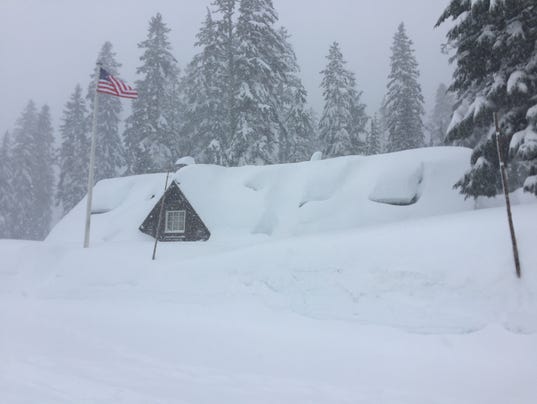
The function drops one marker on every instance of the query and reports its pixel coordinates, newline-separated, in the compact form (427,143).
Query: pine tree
(7,201)
(260,69)
(440,116)
(404,100)
(383,126)
(316,143)
(373,137)
(205,87)
(109,149)
(226,51)
(150,140)
(74,152)
(25,169)
(300,127)
(44,174)
(343,119)
(245,102)
(359,120)
(496,71)
(297,134)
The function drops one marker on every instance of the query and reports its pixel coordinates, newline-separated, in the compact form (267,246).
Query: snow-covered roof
(285,199)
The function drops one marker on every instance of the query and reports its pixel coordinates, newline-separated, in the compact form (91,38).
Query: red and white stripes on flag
(108,84)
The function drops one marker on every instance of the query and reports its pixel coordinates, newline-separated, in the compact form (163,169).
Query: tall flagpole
(91,179)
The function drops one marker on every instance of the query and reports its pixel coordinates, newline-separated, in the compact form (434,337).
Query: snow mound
(284,200)
(400,188)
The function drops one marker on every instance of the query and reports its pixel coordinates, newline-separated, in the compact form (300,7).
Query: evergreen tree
(496,71)
(260,69)
(297,134)
(109,149)
(359,120)
(205,87)
(300,127)
(44,173)
(316,143)
(25,172)
(7,201)
(150,139)
(245,102)
(404,101)
(383,126)
(74,152)
(226,51)
(343,119)
(441,116)
(373,137)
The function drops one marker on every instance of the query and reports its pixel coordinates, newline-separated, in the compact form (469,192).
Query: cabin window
(175,221)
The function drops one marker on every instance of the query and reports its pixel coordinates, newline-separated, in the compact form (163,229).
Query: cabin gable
(179,222)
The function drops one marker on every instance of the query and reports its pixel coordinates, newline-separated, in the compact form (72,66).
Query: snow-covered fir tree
(373,137)
(150,140)
(404,100)
(300,127)
(297,135)
(109,149)
(226,43)
(495,45)
(383,125)
(25,174)
(7,199)
(440,116)
(260,69)
(174,113)
(343,119)
(244,100)
(74,152)
(359,120)
(44,174)
(30,174)
(205,127)
(316,144)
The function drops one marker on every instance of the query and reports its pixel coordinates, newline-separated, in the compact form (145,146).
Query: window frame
(182,213)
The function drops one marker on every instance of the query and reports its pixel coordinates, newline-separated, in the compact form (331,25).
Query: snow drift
(284,200)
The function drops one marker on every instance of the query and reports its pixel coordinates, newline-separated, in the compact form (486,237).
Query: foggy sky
(48,46)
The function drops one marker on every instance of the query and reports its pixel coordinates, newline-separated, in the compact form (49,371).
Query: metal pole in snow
(161,210)
(505,185)
(92,162)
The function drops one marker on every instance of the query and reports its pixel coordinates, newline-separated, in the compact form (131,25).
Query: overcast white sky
(48,46)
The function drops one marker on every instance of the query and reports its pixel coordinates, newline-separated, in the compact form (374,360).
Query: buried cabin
(174,219)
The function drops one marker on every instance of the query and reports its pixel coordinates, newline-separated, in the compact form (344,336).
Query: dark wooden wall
(174,199)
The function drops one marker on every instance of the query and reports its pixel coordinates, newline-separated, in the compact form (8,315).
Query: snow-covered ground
(399,304)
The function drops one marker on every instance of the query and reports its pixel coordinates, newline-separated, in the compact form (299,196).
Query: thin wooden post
(505,185)
(161,210)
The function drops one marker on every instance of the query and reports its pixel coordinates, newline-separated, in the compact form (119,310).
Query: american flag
(108,84)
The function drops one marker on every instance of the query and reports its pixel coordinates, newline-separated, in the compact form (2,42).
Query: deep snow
(284,200)
(409,304)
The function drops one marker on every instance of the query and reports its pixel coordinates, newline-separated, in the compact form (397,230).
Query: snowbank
(407,311)
(283,200)
(423,311)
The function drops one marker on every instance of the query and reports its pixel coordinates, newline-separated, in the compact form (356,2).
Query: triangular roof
(175,199)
